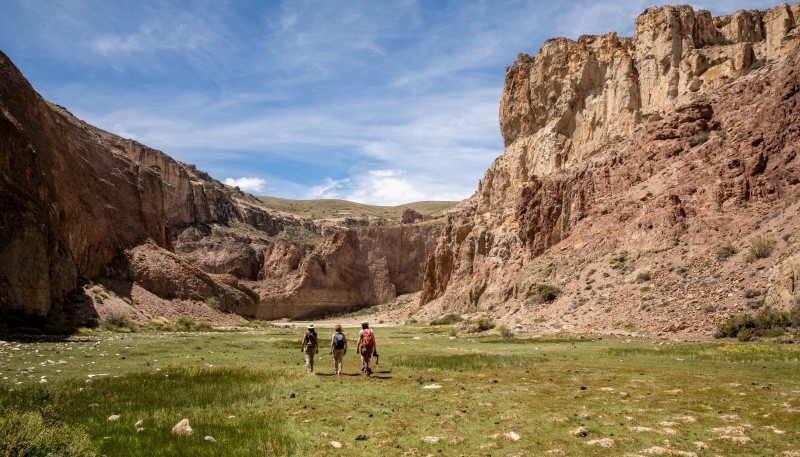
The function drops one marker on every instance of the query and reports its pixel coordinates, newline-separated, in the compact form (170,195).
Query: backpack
(338,341)
(367,339)
(311,340)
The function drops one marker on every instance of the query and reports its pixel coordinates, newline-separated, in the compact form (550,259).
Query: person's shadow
(383,374)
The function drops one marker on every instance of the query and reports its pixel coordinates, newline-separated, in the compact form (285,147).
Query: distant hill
(333,208)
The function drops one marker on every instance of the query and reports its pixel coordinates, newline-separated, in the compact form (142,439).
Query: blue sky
(378,102)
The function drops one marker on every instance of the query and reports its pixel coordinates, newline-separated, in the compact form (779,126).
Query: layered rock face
(74,198)
(669,142)
(349,270)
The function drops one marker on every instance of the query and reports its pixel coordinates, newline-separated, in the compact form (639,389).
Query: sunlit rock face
(664,144)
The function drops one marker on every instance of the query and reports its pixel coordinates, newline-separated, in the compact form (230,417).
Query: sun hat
(310,325)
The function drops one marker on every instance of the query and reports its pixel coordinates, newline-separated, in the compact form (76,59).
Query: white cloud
(330,188)
(385,187)
(252,185)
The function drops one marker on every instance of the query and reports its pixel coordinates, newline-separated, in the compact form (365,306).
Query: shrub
(745,334)
(643,276)
(212,302)
(618,261)
(27,434)
(447,319)
(767,322)
(699,138)
(545,293)
(185,324)
(483,324)
(119,323)
(725,251)
(760,248)
(506,332)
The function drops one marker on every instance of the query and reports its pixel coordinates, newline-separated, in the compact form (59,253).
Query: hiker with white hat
(309,347)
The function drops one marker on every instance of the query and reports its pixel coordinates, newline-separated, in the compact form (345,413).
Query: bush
(767,322)
(27,434)
(760,248)
(185,324)
(724,252)
(506,332)
(699,138)
(120,323)
(643,276)
(545,293)
(483,324)
(448,319)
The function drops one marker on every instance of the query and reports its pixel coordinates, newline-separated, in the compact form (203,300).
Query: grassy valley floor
(247,393)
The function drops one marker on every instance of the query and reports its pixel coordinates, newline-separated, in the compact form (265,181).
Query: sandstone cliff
(657,150)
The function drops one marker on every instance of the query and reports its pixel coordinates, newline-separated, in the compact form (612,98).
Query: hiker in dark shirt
(338,348)
(309,347)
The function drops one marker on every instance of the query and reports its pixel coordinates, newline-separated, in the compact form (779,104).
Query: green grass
(249,391)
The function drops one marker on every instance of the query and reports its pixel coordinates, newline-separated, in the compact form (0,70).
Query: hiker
(366,347)
(338,348)
(309,347)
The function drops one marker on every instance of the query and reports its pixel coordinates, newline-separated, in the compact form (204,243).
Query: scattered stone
(658,450)
(432,386)
(182,428)
(513,436)
(736,439)
(580,432)
(139,429)
(431,439)
(210,439)
(336,444)
(602,442)
(113,418)
(138,423)
(639,428)
(701,445)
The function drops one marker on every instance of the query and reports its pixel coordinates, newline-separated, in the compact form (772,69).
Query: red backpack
(367,339)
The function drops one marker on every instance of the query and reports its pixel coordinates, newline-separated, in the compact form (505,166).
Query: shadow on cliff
(77,312)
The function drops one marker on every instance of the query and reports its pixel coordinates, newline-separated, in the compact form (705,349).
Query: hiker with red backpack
(309,347)
(338,348)
(366,347)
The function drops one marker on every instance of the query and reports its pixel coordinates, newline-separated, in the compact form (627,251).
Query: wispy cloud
(252,185)
(372,101)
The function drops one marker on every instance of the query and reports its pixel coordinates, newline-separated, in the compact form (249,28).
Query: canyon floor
(436,391)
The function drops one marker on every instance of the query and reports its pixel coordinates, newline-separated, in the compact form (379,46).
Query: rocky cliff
(656,151)
(78,203)
(75,199)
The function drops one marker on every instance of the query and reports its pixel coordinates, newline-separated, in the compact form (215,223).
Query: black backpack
(311,339)
(338,341)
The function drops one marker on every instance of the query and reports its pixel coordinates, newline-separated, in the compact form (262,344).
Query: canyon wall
(79,203)
(676,137)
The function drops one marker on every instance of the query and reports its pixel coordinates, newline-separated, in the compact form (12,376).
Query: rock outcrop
(668,143)
(351,269)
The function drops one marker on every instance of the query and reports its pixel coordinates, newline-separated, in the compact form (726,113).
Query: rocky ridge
(655,151)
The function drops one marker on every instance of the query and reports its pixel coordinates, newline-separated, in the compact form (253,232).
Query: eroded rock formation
(665,144)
